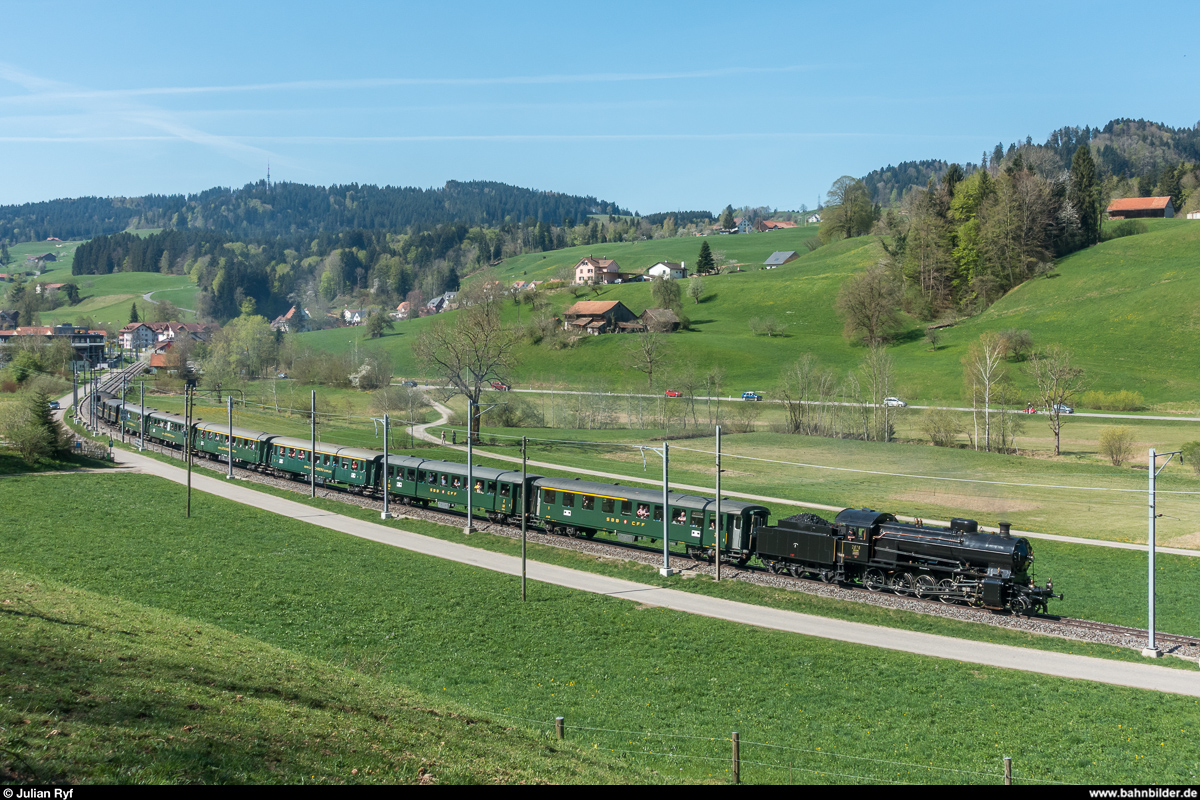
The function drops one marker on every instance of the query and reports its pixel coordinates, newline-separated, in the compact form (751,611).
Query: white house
(137,336)
(668,269)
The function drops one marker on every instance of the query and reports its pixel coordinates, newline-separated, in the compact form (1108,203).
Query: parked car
(672,393)
(751,396)
(894,402)
(409,383)
(500,387)
(1061,409)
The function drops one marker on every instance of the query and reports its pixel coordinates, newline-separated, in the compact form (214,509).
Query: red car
(500,387)
(673,394)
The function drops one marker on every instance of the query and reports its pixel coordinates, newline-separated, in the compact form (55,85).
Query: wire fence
(763,762)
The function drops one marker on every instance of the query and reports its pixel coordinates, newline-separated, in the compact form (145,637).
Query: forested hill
(1137,152)
(259,211)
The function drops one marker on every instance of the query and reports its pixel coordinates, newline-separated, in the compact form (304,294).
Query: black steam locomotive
(958,564)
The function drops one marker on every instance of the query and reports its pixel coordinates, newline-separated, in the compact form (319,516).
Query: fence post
(737,759)
(559,728)
(1008,770)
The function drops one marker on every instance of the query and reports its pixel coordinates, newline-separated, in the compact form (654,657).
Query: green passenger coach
(583,508)
(425,482)
(249,446)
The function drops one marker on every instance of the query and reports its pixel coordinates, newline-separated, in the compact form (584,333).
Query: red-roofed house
(597,316)
(596,270)
(773,225)
(1140,207)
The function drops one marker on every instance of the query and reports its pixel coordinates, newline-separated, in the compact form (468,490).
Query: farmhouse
(1140,207)
(780,257)
(597,316)
(597,270)
(294,321)
(772,225)
(667,269)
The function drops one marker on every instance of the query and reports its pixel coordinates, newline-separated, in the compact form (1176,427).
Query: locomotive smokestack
(1004,530)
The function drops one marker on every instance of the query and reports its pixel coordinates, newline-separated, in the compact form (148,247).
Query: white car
(894,402)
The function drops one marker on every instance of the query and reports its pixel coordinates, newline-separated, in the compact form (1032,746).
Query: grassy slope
(93,684)
(341,600)
(1113,305)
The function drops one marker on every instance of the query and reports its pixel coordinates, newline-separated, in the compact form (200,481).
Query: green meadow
(253,592)
(1120,307)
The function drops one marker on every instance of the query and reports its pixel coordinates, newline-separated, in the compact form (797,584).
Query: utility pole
(312,456)
(524,505)
(1151,649)
(187,445)
(470,455)
(142,446)
(229,406)
(386,489)
(719,528)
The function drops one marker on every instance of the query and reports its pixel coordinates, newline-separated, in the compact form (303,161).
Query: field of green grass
(102,690)
(1095,303)
(801,706)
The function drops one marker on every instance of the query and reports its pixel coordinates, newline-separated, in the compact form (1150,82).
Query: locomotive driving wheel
(874,580)
(903,583)
(925,586)
(947,589)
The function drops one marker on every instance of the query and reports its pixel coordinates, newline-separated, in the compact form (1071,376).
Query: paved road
(422,432)
(738,399)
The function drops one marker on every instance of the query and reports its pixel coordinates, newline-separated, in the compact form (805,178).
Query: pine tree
(1084,193)
(133,315)
(705,263)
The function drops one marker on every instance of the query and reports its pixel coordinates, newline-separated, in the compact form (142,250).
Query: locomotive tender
(955,564)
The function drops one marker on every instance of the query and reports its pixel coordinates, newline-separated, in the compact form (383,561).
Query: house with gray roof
(780,257)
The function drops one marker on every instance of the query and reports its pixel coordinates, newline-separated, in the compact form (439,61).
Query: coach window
(548,496)
(697,519)
(505,490)
(658,513)
(568,500)
(606,505)
(491,487)
(643,511)
(588,502)
(626,508)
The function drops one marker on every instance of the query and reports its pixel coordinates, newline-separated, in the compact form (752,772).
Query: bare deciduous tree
(468,353)
(869,304)
(647,352)
(1058,381)
(983,370)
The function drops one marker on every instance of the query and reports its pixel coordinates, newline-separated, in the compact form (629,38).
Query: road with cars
(715,398)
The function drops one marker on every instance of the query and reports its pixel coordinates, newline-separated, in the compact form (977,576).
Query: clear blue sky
(656,106)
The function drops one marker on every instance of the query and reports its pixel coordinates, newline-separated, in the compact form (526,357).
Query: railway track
(1187,647)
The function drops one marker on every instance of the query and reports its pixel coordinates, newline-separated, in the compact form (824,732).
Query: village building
(42,257)
(1140,208)
(47,287)
(597,316)
(88,344)
(403,311)
(136,336)
(668,269)
(296,320)
(443,302)
(742,225)
(773,225)
(8,319)
(780,257)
